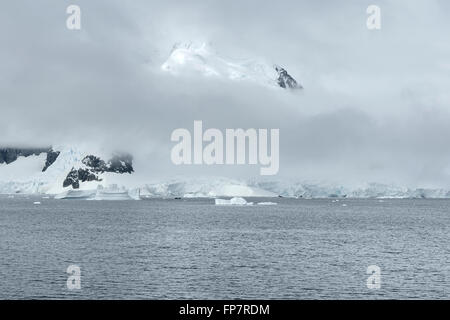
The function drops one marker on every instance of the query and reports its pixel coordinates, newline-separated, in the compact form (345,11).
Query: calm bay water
(191,249)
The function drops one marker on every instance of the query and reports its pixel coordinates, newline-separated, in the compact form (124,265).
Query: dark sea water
(191,249)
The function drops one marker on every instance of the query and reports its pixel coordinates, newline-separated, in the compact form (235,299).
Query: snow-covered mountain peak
(54,170)
(203,59)
(190,57)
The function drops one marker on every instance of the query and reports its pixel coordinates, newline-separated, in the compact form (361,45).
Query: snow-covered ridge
(222,187)
(9,155)
(92,167)
(208,187)
(54,174)
(309,190)
(202,59)
(26,175)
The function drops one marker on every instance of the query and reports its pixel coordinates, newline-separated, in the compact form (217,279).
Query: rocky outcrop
(8,155)
(95,164)
(285,80)
(51,158)
(120,163)
(75,176)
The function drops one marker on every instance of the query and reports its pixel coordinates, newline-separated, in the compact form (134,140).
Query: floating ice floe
(267,203)
(236,201)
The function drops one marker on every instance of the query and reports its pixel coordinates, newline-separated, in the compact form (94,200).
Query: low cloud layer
(375,105)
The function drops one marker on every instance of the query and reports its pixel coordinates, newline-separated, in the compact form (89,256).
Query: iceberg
(115,193)
(110,193)
(76,194)
(236,201)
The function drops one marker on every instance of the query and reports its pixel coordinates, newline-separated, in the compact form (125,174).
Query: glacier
(25,176)
(203,187)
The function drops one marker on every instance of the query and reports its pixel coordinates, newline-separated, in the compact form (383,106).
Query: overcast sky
(376,104)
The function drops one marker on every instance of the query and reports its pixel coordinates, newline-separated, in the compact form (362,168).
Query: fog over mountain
(375,104)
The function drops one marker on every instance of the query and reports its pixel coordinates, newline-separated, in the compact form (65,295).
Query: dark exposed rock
(121,163)
(87,175)
(95,163)
(285,80)
(8,155)
(51,158)
(72,179)
(81,175)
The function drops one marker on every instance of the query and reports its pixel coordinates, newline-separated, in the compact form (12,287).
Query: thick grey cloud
(375,105)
